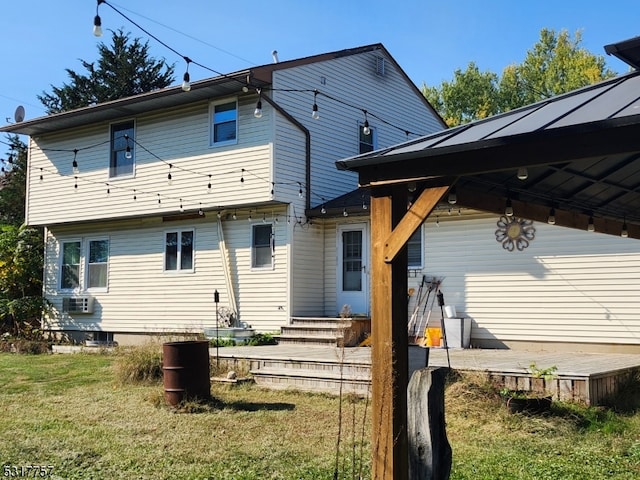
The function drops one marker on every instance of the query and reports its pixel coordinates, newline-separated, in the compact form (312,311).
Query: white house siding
(179,137)
(143,298)
(568,286)
(353,81)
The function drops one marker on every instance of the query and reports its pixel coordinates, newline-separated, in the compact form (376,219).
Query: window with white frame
(97,263)
(224,122)
(414,250)
(178,251)
(70,268)
(262,246)
(368,143)
(122,163)
(90,257)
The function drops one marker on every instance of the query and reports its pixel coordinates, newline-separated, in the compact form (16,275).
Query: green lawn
(68,411)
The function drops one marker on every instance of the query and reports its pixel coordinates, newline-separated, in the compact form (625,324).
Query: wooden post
(429,450)
(390,354)
(389,317)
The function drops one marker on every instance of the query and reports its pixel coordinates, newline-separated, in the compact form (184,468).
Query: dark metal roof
(581,151)
(628,51)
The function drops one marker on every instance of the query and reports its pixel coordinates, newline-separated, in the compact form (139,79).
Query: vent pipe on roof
(274,54)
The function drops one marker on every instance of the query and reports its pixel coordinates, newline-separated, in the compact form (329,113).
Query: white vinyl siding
(179,137)
(567,286)
(352,80)
(143,298)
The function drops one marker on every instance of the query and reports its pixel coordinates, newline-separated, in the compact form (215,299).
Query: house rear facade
(153,203)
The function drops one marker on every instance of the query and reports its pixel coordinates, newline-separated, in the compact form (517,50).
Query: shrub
(142,364)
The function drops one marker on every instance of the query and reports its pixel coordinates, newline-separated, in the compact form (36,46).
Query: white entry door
(353,268)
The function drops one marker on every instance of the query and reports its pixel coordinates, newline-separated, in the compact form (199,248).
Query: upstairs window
(224,123)
(262,246)
(178,253)
(122,149)
(367,142)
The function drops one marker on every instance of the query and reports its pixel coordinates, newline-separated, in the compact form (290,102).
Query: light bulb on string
(249,218)
(242,176)
(365,126)
(314,110)
(258,111)
(364,204)
(159,201)
(75,185)
(186,79)
(508,210)
(108,189)
(523,173)
(97,22)
(219,215)
(169,177)
(591,227)
(200,211)
(300,190)
(264,218)
(74,164)
(135,196)
(625,230)
(181,207)
(127,151)
(235,215)
(209,185)
(41,176)
(344,212)
(551,219)
(273,188)
(453,197)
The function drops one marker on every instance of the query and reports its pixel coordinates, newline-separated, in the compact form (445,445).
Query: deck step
(324,331)
(311,380)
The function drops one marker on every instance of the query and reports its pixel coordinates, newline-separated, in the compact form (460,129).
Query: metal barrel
(186,371)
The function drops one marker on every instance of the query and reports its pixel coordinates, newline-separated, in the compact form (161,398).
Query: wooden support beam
(417,213)
(389,316)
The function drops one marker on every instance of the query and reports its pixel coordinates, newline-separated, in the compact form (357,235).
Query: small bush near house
(141,364)
(262,339)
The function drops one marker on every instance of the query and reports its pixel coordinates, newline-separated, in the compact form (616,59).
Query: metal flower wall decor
(515,233)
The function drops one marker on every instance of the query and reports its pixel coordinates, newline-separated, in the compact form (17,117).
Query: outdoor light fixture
(551,219)
(508,211)
(523,174)
(314,113)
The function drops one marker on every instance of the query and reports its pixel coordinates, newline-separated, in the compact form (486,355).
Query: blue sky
(429,38)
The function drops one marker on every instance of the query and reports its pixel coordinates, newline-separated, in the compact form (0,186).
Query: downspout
(222,247)
(307,153)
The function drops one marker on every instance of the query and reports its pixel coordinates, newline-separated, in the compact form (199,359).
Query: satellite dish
(19,114)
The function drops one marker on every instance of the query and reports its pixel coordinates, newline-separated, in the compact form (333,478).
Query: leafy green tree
(123,69)
(555,64)
(13,182)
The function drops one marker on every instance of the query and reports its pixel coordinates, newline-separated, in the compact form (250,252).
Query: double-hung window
(262,246)
(122,163)
(70,269)
(84,264)
(224,122)
(414,250)
(178,251)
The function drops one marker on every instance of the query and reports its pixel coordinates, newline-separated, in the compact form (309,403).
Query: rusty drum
(186,371)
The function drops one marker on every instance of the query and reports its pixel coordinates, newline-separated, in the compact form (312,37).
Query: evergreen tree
(123,69)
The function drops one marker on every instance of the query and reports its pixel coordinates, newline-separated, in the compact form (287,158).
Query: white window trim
(135,150)
(178,270)
(264,268)
(421,266)
(85,257)
(212,106)
(83,274)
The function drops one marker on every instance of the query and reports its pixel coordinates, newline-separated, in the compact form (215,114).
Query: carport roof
(581,151)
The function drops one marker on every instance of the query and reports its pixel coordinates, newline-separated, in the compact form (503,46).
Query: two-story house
(152,203)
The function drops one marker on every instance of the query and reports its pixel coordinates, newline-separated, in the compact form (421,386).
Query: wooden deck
(587,378)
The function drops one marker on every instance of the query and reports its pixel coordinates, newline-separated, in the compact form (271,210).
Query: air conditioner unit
(82,304)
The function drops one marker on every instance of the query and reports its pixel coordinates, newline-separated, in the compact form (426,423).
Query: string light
(523,173)
(314,111)
(181,207)
(300,190)
(159,201)
(41,176)
(258,111)
(364,205)
(591,226)
(242,176)
(135,196)
(75,185)
(127,151)
(186,79)
(344,212)
(625,230)
(169,178)
(97,23)
(200,211)
(235,215)
(74,164)
(209,185)
(365,126)
(453,197)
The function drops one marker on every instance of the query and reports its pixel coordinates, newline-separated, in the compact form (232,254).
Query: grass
(74,412)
